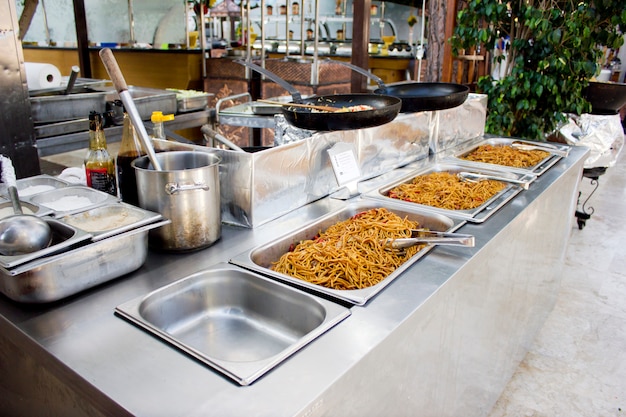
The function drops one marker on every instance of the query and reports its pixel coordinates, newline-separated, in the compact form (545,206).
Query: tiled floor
(577,364)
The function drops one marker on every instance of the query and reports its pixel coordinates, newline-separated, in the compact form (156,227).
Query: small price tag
(344,163)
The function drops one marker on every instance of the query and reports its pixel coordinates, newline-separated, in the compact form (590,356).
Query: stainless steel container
(186,191)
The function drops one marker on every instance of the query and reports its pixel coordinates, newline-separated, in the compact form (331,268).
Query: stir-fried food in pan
(506,155)
(446,190)
(350,254)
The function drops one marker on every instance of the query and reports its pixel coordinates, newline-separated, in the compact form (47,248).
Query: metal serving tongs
(543,147)
(421,236)
(475,177)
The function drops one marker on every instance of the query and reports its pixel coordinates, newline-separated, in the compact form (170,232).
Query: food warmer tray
(73,199)
(63,237)
(538,169)
(61,275)
(27,187)
(237,322)
(260,258)
(111,219)
(476,215)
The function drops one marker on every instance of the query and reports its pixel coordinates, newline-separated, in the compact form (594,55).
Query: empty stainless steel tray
(538,169)
(233,320)
(260,259)
(475,215)
(73,199)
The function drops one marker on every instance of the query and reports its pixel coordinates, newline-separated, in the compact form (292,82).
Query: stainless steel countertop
(115,364)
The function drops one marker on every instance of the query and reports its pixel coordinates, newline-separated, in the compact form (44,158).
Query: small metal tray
(235,321)
(6,209)
(63,236)
(147,100)
(27,187)
(475,215)
(260,258)
(111,219)
(72,199)
(538,169)
(190,100)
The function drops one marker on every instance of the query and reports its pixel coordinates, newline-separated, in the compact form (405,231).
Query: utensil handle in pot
(117,78)
(297,97)
(174,187)
(368,74)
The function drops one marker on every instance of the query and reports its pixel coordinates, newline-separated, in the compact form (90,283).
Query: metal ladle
(113,69)
(22,233)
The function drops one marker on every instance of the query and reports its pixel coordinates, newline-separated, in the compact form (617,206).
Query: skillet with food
(357,111)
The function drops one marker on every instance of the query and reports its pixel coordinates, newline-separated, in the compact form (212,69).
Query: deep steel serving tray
(61,275)
(63,237)
(475,215)
(260,258)
(538,169)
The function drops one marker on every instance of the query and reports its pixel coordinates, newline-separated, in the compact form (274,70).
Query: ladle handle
(295,94)
(117,78)
(15,200)
(378,80)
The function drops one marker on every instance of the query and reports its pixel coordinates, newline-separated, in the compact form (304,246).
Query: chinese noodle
(350,254)
(445,190)
(506,155)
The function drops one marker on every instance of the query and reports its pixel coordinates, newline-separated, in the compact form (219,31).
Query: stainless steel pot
(187,192)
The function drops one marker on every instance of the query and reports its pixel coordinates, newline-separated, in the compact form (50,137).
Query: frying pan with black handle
(418,96)
(384,108)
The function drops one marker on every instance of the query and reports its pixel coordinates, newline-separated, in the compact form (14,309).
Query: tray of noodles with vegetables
(511,155)
(343,254)
(466,192)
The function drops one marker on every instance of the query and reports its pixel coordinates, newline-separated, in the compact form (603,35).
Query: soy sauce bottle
(130,149)
(99,164)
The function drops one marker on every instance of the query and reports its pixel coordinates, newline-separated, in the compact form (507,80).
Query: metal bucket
(187,192)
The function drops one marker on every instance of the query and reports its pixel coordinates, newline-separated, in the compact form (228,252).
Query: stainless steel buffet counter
(441,340)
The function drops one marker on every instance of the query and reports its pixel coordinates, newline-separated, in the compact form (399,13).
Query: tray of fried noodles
(512,155)
(469,193)
(343,254)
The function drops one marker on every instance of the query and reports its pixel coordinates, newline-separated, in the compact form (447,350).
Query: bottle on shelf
(99,164)
(130,149)
(157,119)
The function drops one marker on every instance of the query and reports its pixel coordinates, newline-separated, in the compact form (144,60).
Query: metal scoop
(430,238)
(22,233)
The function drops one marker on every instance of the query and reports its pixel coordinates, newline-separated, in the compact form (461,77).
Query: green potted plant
(553,49)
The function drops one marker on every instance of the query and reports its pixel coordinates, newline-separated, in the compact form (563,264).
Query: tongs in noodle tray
(429,237)
(475,177)
(523,146)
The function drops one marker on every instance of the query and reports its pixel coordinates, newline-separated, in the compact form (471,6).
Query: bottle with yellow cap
(157,118)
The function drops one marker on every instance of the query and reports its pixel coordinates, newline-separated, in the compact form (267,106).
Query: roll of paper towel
(41,75)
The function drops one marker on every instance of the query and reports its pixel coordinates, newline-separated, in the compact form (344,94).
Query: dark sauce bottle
(130,149)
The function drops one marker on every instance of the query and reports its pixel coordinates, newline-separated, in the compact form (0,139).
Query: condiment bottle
(99,164)
(157,118)
(130,149)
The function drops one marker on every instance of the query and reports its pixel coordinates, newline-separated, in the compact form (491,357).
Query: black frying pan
(385,108)
(418,96)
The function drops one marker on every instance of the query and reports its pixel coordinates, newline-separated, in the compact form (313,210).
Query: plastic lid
(159,117)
